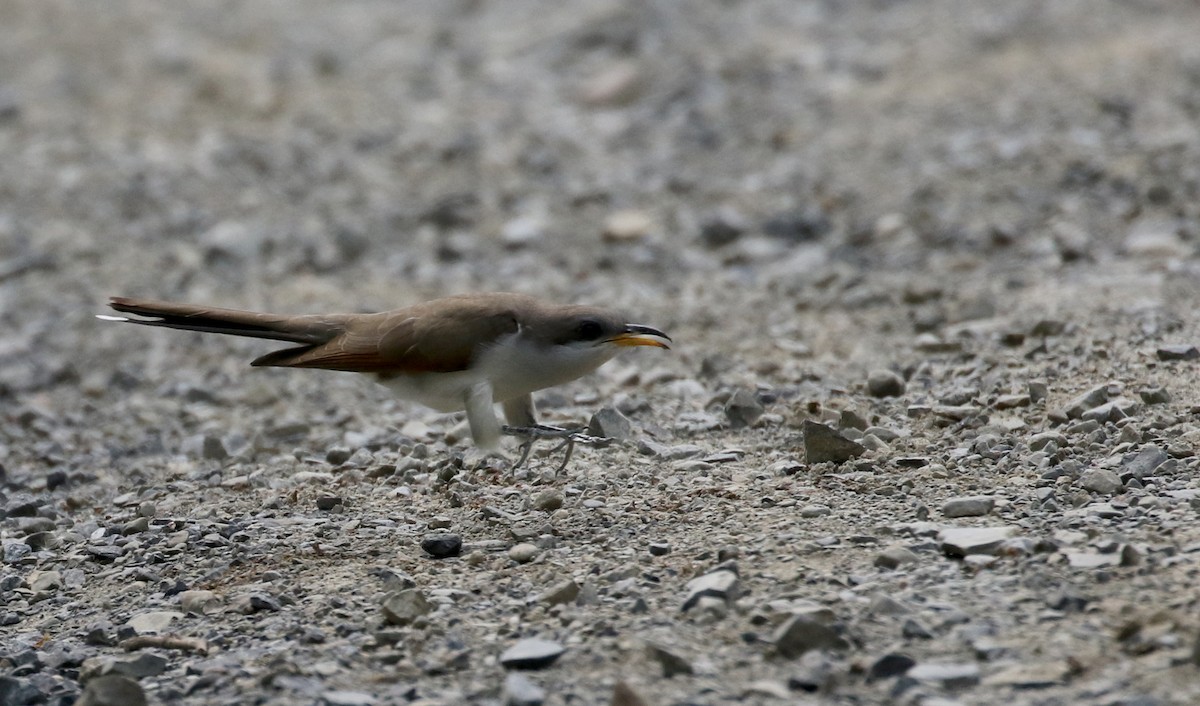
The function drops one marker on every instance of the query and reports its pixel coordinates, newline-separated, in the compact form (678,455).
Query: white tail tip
(106,317)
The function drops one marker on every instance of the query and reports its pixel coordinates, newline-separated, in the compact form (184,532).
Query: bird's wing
(402,342)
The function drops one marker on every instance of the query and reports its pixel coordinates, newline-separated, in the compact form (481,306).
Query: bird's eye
(589,330)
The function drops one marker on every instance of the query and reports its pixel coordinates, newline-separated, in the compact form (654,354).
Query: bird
(466,352)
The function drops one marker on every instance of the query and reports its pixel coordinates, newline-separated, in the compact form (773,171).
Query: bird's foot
(569,438)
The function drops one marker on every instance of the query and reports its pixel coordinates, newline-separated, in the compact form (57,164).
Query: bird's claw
(569,437)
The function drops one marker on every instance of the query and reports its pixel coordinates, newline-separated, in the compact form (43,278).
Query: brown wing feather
(407,341)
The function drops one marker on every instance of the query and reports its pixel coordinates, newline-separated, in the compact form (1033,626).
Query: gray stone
(969,506)
(1178,351)
(671,661)
(531,653)
(1101,480)
(946,675)
(41,581)
(112,690)
(519,690)
(548,500)
(1144,462)
(15,551)
(1155,395)
(608,423)
(137,526)
(153,622)
(561,592)
(146,664)
(524,552)
(884,383)
(1037,442)
(963,541)
(1113,411)
(1088,400)
(723,227)
(442,545)
(1038,390)
(326,503)
(403,607)
(722,584)
(824,445)
(813,511)
(205,446)
(914,630)
(890,665)
(895,557)
(200,602)
(1033,675)
(659,548)
(801,633)
(743,409)
(347,698)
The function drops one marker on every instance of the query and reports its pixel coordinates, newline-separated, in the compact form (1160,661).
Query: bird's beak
(638,335)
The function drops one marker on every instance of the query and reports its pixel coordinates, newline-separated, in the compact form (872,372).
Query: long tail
(310,330)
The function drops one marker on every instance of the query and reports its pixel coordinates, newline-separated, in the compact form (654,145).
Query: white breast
(513,367)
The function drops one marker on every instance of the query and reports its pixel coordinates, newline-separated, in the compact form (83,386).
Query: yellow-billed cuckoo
(464,352)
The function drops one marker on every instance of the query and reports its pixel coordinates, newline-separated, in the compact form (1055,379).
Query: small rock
(948,676)
(442,545)
(403,607)
(548,500)
(814,511)
(1155,395)
(659,548)
(153,622)
(42,581)
(347,698)
(328,502)
(1144,462)
(913,630)
(531,653)
(895,557)
(618,84)
(723,227)
(822,444)
(112,690)
(1034,675)
(608,423)
(255,603)
(671,660)
(1181,351)
(801,633)
(146,664)
(1088,400)
(743,409)
(884,383)
(625,695)
(1038,390)
(137,526)
(205,446)
(1101,480)
(520,691)
(628,225)
(970,506)
(722,584)
(963,541)
(890,665)
(523,553)
(561,592)
(200,602)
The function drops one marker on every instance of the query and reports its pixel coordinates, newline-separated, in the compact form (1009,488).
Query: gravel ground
(928,435)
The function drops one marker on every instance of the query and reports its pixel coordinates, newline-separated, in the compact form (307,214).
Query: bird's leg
(522,423)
